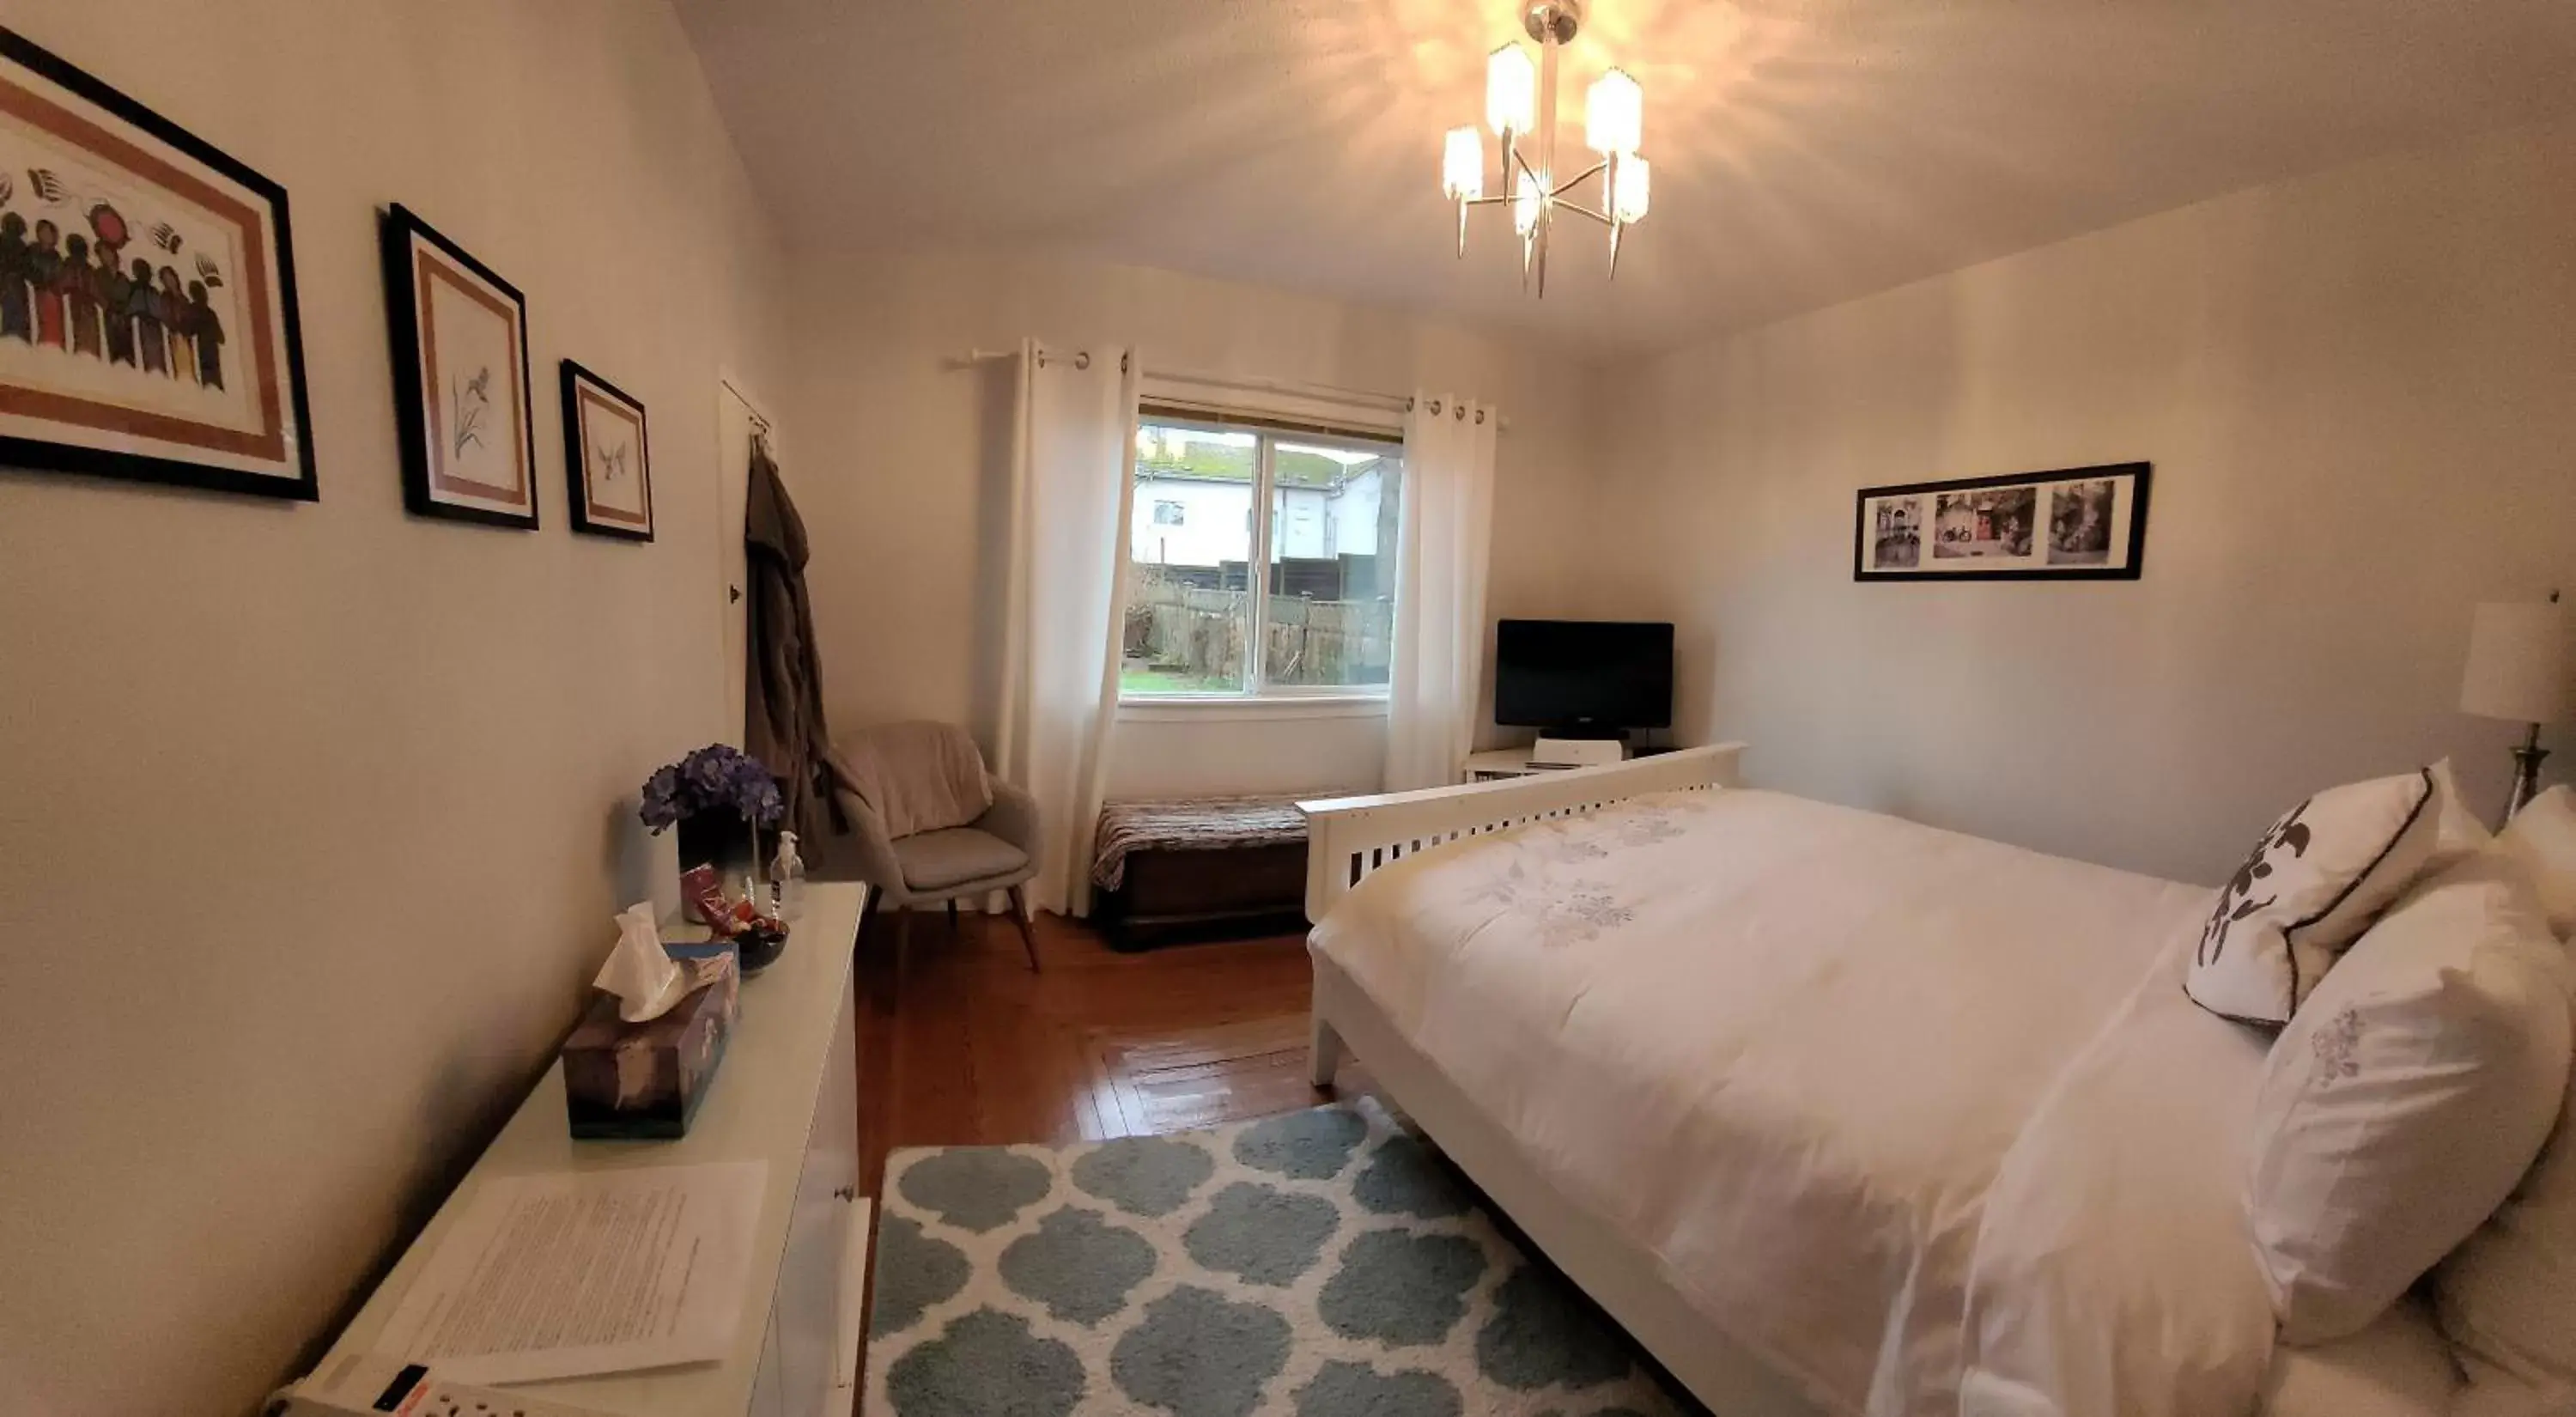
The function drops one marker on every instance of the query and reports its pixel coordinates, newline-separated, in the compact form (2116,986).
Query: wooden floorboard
(960,1044)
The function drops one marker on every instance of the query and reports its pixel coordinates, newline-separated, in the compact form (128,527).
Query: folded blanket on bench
(1191,824)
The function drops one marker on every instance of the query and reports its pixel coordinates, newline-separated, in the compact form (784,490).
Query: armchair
(995,852)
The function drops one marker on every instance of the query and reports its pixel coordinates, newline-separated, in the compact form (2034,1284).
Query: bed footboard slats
(1350,838)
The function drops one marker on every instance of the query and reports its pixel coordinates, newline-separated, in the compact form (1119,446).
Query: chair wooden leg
(1323,1054)
(952,917)
(902,931)
(1028,932)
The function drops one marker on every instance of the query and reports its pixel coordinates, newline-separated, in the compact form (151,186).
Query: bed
(1834,1113)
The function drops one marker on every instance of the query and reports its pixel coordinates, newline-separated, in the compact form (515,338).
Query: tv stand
(1600,751)
(1499,764)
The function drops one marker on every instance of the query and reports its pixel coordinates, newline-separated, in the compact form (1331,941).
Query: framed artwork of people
(461,390)
(148,323)
(607,456)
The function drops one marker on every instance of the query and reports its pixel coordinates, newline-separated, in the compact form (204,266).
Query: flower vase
(718,837)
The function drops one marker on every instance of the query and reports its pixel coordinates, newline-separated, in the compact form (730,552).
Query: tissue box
(625,1081)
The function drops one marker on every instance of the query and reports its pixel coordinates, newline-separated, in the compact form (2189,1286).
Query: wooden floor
(960,1044)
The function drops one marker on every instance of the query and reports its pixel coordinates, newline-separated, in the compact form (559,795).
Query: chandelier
(1520,104)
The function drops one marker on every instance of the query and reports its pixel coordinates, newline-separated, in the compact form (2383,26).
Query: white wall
(901,457)
(1349,513)
(1179,751)
(311,815)
(1215,520)
(1215,525)
(2359,394)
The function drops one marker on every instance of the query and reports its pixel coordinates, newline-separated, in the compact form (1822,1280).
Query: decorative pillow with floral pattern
(2313,883)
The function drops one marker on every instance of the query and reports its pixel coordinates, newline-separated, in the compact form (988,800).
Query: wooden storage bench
(1196,868)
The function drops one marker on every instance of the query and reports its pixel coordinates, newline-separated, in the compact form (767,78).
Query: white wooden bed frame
(1350,838)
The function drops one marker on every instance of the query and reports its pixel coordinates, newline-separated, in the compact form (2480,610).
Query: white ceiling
(1805,151)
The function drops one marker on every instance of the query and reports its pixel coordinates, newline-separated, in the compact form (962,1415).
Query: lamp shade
(1511,90)
(1631,182)
(1462,165)
(1614,116)
(2519,665)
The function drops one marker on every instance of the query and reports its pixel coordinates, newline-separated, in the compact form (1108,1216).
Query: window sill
(1183,708)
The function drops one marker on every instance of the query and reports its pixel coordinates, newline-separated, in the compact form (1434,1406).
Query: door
(738,418)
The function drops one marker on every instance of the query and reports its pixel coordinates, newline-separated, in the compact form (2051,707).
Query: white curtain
(1440,590)
(1073,448)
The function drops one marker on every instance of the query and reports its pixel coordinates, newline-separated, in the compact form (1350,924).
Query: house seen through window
(1318,615)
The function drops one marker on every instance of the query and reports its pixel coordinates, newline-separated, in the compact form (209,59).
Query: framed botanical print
(2077,523)
(461,388)
(148,324)
(607,456)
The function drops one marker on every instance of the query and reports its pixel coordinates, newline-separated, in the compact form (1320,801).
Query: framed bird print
(461,390)
(148,323)
(607,456)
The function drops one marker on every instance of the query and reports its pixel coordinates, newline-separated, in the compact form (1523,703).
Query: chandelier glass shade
(1520,108)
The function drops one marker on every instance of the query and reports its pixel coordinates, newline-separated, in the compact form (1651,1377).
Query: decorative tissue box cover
(631,1080)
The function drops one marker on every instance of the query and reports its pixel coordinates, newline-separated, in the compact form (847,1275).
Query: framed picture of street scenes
(2074,524)
(148,325)
(461,390)
(607,456)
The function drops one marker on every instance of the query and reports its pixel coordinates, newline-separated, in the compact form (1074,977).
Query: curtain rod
(1336,393)
(1081,357)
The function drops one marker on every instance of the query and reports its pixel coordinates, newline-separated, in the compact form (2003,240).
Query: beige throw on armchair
(928,824)
(918,776)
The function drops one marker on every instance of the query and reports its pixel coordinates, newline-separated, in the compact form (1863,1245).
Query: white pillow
(2314,882)
(2507,1297)
(2407,1097)
(2542,837)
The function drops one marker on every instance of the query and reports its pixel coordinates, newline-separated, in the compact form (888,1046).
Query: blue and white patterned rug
(1319,1264)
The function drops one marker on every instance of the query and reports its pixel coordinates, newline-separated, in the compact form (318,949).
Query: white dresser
(786,1094)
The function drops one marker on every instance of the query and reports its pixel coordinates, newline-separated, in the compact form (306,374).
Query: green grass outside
(1171,681)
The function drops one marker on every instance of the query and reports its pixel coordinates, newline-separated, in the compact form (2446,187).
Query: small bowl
(756,950)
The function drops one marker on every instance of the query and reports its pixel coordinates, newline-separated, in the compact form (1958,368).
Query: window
(1322,505)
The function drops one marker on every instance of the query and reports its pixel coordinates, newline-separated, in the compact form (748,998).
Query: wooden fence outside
(1189,630)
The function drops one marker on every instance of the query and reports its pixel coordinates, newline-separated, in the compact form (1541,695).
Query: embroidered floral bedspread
(1783,1046)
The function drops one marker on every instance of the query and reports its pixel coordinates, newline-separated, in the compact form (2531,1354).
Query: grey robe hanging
(783,680)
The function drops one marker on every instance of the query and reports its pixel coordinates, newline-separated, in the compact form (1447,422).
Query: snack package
(703,890)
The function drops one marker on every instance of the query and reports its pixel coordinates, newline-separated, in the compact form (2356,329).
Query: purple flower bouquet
(719,799)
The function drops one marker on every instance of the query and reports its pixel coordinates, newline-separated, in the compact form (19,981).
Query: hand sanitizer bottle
(787,878)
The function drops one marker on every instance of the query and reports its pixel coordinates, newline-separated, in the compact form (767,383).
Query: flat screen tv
(1580,678)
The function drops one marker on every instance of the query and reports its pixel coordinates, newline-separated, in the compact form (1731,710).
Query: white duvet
(1799,1053)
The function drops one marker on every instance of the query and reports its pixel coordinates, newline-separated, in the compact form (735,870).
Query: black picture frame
(587,515)
(2122,557)
(296,477)
(427,491)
